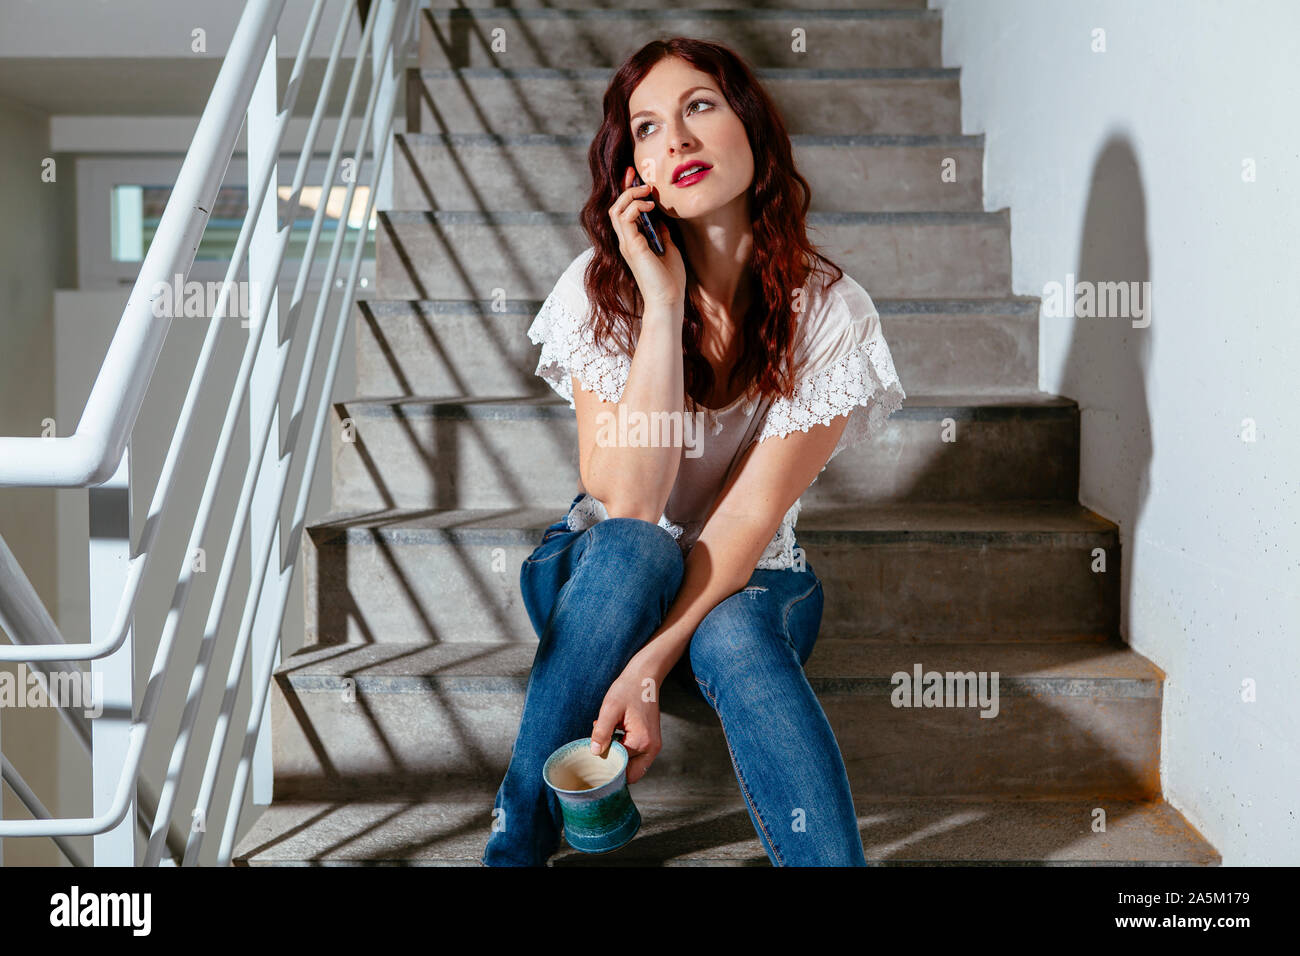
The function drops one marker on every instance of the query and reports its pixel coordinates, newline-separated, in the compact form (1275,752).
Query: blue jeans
(595,597)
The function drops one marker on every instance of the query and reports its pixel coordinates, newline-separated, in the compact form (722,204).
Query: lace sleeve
(848,369)
(564,330)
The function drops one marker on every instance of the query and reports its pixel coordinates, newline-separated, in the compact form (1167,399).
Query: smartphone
(648,222)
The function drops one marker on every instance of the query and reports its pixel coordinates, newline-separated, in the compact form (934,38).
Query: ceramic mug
(599,814)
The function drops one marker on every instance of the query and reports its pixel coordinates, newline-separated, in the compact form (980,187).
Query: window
(121,201)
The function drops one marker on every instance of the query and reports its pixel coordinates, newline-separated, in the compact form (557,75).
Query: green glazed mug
(599,814)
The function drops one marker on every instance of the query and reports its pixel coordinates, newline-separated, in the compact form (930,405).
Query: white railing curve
(96,456)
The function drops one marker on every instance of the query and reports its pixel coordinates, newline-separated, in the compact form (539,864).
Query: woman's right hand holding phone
(661,279)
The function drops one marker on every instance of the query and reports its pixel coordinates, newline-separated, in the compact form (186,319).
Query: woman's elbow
(622,499)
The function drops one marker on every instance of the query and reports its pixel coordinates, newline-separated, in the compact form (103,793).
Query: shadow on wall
(1106,367)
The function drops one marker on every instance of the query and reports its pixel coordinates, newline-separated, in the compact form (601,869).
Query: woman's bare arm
(635,482)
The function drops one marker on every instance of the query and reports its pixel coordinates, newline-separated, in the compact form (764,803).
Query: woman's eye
(640,130)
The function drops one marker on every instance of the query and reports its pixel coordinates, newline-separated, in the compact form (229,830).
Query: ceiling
(118,86)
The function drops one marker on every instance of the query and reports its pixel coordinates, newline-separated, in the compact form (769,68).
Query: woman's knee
(638,547)
(734,633)
(626,573)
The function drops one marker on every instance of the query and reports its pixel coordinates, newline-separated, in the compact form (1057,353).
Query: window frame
(97,175)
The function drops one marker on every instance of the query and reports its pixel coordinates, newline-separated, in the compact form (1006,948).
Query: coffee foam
(583,770)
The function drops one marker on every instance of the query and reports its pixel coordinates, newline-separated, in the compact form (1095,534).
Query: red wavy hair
(783,258)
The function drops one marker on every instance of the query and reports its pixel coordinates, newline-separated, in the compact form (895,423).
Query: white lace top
(843,365)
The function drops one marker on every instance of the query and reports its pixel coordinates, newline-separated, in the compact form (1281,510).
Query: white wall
(1128,165)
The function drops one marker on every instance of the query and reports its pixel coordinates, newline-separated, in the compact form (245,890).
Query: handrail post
(394,71)
(112,677)
(264,513)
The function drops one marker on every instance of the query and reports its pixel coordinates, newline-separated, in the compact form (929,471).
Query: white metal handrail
(91,455)
(97,451)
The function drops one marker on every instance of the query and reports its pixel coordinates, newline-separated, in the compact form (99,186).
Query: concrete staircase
(393,727)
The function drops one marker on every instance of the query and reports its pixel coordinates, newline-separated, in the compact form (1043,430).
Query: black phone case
(647,223)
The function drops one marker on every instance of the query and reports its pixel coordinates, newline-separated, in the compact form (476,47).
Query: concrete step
(452,831)
(452,347)
(1068,720)
(607,37)
(516,100)
(519,255)
(879,173)
(486,452)
(924,572)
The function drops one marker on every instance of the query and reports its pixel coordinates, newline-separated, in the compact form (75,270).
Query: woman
(690,544)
